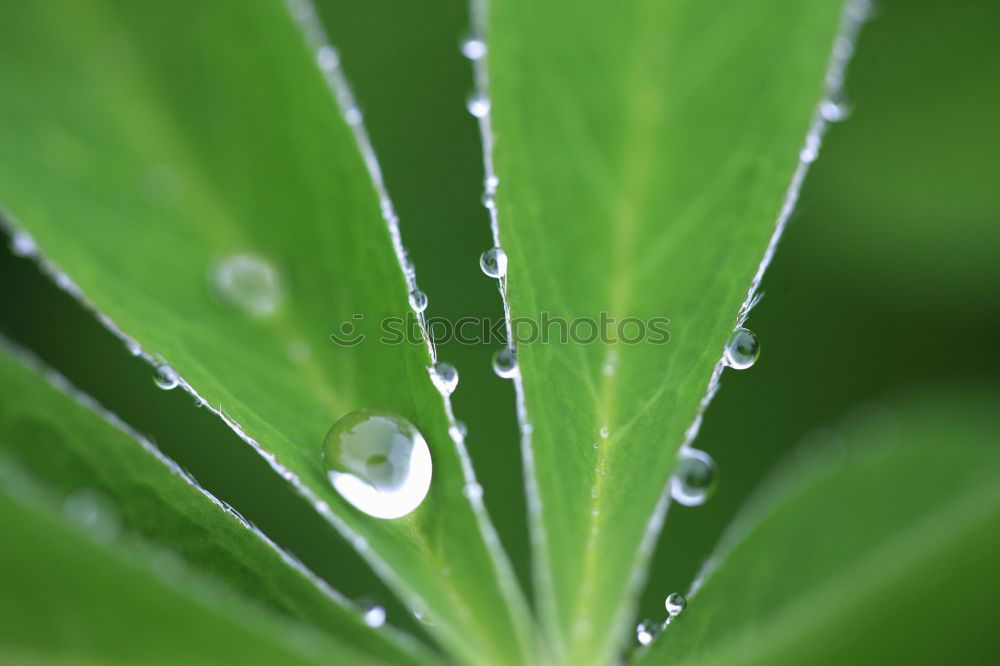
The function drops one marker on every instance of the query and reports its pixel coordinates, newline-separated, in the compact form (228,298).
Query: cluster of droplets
(647,630)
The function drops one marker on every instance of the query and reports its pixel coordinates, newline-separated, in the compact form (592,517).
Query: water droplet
(133,347)
(418,300)
(473,491)
(445,377)
(23,245)
(491,183)
(646,631)
(488,201)
(494,262)
(353,116)
(458,431)
(473,48)
(605,432)
(478,104)
(247,282)
(694,479)
(811,150)
(94,511)
(378,462)
(165,377)
(834,109)
(328,58)
(372,613)
(675,603)
(742,350)
(505,363)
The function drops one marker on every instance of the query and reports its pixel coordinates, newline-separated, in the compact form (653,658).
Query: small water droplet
(646,631)
(675,603)
(165,377)
(328,58)
(133,347)
(473,491)
(605,432)
(505,363)
(247,282)
(491,183)
(379,462)
(23,245)
(473,48)
(458,431)
(94,511)
(353,116)
(445,377)
(811,150)
(834,109)
(418,300)
(742,350)
(694,479)
(373,613)
(488,201)
(494,262)
(478,104)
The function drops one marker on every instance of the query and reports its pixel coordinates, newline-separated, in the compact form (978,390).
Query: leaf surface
(878,548)
(645,152)
(150,142)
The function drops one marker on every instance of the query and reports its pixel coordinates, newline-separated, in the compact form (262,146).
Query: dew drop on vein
(742,350)
(165,377)
(505,363)
(248,283)
(379,462)
(494,262)
(418,301)
(675,603)
(372,613)
(646,631)
(694,479)
(473,48)
(445,378)
(478,104)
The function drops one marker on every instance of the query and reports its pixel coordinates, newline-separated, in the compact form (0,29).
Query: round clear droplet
(494,262)
(505,363)
(646,631)
(473,48)
(379,462)
(373,613)
(675,603)
(478,104)
(742,350)
(23,245)
(166,378)
(247,282)
(694,479)
(445,377)
(418,300)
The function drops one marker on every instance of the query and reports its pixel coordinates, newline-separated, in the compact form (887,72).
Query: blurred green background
(888,276)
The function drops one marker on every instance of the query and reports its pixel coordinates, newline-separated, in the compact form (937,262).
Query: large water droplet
(742,349)
(445,377)
(418,301)
(478,104)
(646,631)
(165,377)
(494,262)
(247,282)
(694,479)
(379,462)
(473,48)
(505,363)
(675,603)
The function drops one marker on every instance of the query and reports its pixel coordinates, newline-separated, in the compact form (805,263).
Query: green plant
(645,154)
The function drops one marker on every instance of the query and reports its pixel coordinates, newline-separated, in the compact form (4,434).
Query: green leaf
(881,548)
(71,598)
(57,433)
(645,151)
(147,141)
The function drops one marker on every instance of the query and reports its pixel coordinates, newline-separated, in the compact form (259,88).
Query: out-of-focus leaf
(149,141)
(879,549)
(91,459)
(644,151)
